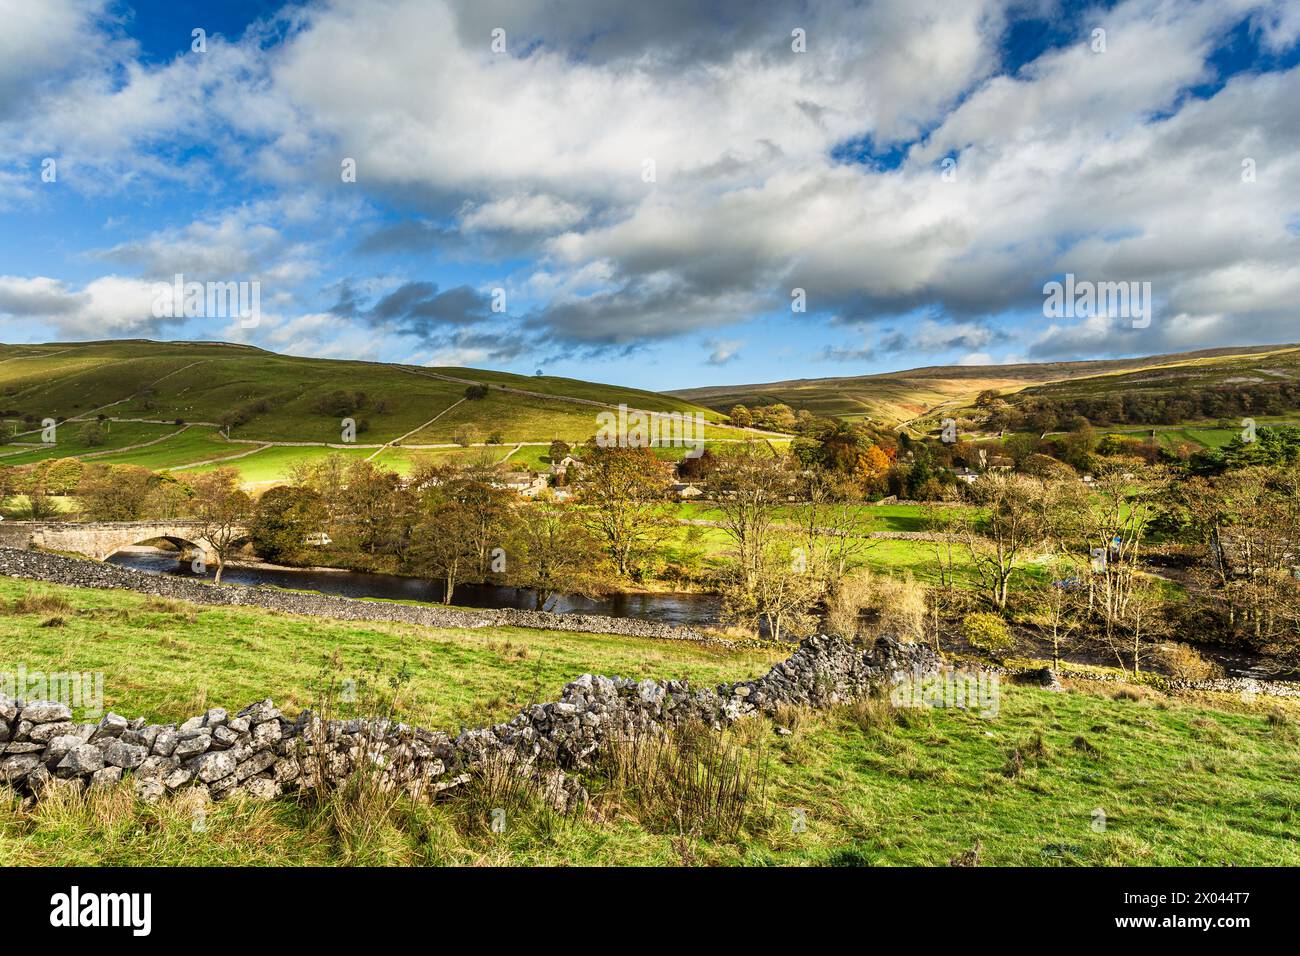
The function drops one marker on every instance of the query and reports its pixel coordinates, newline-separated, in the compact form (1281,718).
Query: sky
(662,195)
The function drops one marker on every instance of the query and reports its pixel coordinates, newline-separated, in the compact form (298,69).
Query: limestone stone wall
(260,752)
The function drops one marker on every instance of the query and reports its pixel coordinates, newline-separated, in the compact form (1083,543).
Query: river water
(681,608)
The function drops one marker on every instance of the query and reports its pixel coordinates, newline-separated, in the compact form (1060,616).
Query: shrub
(476,392)
(340,403)
(92,434)
(878,604)
(987,632)
(1184,662)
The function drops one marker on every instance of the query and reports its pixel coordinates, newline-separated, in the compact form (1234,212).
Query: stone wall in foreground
(263,753)
(79,572)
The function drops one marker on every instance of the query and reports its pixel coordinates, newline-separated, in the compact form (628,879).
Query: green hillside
(165,405)
(895,397)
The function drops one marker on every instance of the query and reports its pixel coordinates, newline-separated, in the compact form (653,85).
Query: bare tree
(1105,528)
(221,509)
(750,484)
(835,526)
(1008,524)
(1058,613)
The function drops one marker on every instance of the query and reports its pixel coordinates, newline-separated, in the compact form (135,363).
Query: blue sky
(636,195)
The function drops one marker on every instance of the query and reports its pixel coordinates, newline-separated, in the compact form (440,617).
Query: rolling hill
(164,405)
(894,398)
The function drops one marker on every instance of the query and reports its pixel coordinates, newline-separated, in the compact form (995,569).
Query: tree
(328,477)
(487,509)
(167,499)
(285,517)
(1058,614)
(552,553)
(61,476)
(740,417)
(340,403)
(777,592)
(623,496)
(1103,528)
(946,519)
(92,434)
(1010,521)
(1020,446)
(871,470)
(379,510)
(834,526)
(1244,527)
(444,544)
(476,392)
(39,506)
(115,492)
(221,510)
(697,467)
(750,484)
(559,450)
(1079,445)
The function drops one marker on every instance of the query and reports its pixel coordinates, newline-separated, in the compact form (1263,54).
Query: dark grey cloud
(639,311)
(418,308)
(410,235)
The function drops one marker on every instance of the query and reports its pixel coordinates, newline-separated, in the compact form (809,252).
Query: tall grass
(690,781)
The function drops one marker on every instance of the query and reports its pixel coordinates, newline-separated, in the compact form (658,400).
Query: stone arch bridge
(100,539)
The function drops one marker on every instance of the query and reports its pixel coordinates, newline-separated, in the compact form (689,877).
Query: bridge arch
(182,545)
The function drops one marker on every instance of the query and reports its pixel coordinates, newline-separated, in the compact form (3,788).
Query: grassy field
(1180,781)
(690,544)
(273,462)
(165,660)
(70,444)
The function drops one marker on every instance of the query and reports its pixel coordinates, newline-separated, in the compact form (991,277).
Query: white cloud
(523,214)
(109,306)
(724,351)
(1099,164)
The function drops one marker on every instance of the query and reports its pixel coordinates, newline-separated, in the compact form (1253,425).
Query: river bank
(675,608)
(76,572)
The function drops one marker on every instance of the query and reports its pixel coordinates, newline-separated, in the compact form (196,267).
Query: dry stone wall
(260,752)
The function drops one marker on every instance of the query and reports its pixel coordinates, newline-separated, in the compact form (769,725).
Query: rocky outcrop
(262,753)
(77,572)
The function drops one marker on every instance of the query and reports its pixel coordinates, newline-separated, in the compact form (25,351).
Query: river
(681,608)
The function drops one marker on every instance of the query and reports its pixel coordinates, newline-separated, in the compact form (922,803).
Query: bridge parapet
(100,539)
